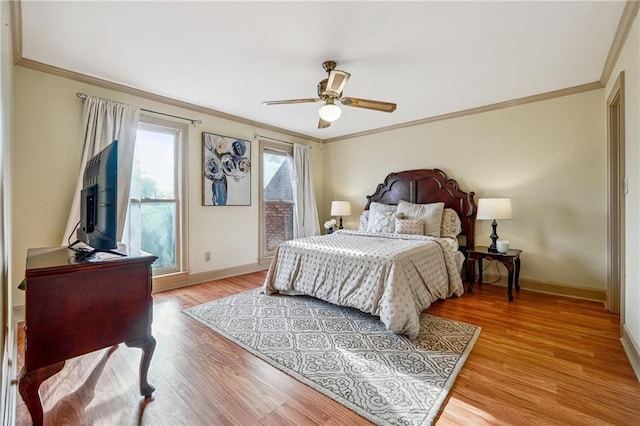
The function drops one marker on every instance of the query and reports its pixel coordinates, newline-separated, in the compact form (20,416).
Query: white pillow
(374,208)
(451,225)
(431,213)
(364,221)
(384,222)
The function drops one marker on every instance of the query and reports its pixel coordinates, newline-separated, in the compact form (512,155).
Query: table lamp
(494,209)
(340,208)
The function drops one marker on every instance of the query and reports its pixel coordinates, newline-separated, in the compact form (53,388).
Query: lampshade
(494,208)
(340,208)
(330,112)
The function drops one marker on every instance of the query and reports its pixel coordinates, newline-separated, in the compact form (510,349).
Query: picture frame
(226,170)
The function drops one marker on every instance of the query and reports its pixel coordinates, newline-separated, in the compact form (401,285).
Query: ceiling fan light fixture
(330,112)
(330,92)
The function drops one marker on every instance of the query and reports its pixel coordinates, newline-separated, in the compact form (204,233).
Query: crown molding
(624,27)
(106,84)
(15,10)
(626,21)
(472,111)
(19,60)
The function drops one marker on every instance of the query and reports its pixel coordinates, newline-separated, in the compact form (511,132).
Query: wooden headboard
(430,186)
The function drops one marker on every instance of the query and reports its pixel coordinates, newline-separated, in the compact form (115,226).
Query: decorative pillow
(431,213)
(410,226)
(364,221)
(374,208)
(451,225)
(384,222)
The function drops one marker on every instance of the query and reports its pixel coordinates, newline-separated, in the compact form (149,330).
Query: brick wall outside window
(278,223)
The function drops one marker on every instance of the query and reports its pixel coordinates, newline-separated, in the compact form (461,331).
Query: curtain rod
(256,135)
(83,96)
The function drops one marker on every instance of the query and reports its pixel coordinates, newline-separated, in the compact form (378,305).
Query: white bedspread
(392,276)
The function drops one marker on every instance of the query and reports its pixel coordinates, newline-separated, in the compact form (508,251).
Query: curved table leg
(29,383)
(148,345)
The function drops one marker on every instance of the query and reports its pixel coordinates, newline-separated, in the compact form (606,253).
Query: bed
(408,252)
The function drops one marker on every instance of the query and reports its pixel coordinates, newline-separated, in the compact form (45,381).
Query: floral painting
(226,171)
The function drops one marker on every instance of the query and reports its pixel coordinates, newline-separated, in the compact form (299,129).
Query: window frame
(276,147)
(180,132)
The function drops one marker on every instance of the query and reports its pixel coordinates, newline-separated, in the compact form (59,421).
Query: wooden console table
(76,307)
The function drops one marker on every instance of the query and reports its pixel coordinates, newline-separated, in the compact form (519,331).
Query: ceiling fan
(330,92)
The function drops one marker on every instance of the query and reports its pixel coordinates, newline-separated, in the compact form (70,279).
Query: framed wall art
(226,178)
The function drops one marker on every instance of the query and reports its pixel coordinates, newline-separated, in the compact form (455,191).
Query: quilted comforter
(391,276)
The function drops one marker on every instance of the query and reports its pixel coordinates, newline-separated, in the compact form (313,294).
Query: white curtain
(305,217)
(104,122)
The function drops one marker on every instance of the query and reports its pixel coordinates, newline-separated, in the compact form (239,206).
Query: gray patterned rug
(347,354)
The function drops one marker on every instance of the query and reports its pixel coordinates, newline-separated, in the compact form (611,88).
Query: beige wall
(548,157)
(629,62)
(46,157)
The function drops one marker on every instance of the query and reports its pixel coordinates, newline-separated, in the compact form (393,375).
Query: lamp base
(340,227)
(494,237)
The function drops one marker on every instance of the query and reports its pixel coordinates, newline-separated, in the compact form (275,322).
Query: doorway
(617,188)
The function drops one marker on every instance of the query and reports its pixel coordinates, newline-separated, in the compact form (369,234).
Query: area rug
(346,354)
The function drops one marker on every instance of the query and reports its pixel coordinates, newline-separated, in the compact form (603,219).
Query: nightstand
(510,259)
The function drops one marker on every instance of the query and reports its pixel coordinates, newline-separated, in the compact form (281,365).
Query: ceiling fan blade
(291,101)
(337,80)
(323,124)
(369,104)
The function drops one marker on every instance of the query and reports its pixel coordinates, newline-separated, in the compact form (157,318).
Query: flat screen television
(98,226)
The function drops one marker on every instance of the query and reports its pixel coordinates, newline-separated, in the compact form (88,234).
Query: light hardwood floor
(539,360)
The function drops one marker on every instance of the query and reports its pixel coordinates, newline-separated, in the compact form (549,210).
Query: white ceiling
(430,58)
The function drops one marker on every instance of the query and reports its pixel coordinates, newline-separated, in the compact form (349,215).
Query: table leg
(517,278)
(510,287)
(471,273)
(28,385)
(148,345)
(479,271)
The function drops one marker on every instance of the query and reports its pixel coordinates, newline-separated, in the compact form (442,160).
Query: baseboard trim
(170,281)
(631,349)
(587,293)
(182,279)
(186,279)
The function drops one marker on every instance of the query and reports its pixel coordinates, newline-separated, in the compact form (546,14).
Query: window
(157,195)
(276,197)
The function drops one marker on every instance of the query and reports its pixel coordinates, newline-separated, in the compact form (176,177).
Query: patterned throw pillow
(451,225)
(431,213)
(374,209)
(410,226)
(364,221)
(384,222)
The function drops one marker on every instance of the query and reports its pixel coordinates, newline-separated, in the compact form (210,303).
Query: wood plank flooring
(539,360)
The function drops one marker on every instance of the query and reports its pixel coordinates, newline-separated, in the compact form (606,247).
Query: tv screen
(98,201)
